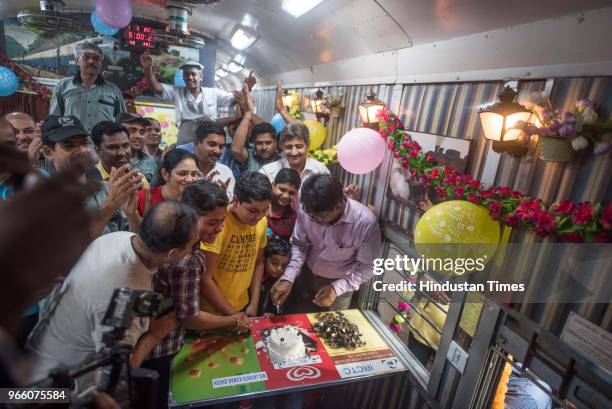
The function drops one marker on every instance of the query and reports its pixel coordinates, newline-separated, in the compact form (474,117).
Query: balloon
(179,81)
(278,123)
(317,133)
(100,27)
(361,150)
(8,82)
(114,13)
(456,229)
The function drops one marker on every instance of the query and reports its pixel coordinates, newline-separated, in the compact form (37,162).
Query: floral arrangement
(580,125)
(26,79)
(566,220)
(325,156)
(295,110)
(400,318)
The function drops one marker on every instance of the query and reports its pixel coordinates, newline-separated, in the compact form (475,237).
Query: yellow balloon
(317,133)
(456,230)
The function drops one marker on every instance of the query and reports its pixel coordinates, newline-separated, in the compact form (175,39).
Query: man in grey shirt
(71,328)
(87,95)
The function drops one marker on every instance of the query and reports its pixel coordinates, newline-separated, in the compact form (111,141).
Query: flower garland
(26,79)
(295,110)
(325,156)
(582,222)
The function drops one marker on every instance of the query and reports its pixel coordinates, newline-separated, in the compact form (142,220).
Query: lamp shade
(369,108)
(499,119)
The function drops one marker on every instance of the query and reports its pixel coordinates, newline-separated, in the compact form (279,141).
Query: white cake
(285,343)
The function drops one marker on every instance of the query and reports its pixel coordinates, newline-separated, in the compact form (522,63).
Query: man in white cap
(193,102)
(87,95)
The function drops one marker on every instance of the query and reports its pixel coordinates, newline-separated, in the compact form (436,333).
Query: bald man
(28,138)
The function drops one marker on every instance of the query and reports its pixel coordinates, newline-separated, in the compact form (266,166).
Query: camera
(132,388)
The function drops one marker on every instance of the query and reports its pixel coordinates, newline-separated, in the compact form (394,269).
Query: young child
(235,260)
(281,216)
(276,256)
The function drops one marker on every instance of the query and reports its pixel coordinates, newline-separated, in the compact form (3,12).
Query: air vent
(177,32)
(50,18)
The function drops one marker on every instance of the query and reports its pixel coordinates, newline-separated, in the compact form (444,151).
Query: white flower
(579,142)
(589,115)
(534,99)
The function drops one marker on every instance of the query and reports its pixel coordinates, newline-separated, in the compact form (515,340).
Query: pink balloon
(164,124)
(361,150)
(114,13)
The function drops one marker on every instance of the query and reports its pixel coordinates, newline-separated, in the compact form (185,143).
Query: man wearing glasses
(333,247)
(87,95)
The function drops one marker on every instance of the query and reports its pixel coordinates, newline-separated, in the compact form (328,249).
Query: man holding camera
(71,328)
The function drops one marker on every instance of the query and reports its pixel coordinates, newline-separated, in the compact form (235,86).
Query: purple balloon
(361,150)
(114,13)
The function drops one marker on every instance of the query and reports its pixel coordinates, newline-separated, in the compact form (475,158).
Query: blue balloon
(100,27)
(8,82)
(278,122)
(179,81)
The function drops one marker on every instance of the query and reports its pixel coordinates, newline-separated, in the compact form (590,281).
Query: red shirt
(283,226)
(155,196)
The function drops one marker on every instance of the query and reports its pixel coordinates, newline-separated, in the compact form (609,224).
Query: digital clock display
(139,37)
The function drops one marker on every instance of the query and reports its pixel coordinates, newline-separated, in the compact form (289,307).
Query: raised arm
(146,62)
(239,151)
(280,107)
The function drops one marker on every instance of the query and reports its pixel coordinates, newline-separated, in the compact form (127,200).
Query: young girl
(179,169)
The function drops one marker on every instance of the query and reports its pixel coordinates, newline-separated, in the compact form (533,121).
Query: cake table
(282,354)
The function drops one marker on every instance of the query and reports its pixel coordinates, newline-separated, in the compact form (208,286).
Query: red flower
(606,218)
(504,191)
(582,213)
(449,171)
(487,193)
(391,146)
(396,154)
(406,144)
(563,207)
(429,157)
(473,197)
(440,192)
(474,184)
(413,173)
(602,237)
(450,180)
(405,162)
(495,209)
(545,223)
(433,173)
(413,154)
(513,220)
(459,191)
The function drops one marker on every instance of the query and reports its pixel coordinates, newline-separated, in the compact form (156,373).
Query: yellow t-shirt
(237,246)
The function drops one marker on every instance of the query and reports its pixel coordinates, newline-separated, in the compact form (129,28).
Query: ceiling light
(240,59)
(243,38)
(298,7)
(233,67)
(221,73)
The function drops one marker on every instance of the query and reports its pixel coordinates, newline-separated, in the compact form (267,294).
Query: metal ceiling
(341,29)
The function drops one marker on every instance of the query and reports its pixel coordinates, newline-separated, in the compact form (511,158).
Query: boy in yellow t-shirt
(235,261)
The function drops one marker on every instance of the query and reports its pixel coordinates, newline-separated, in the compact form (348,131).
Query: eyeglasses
(318,218)
(91,57)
